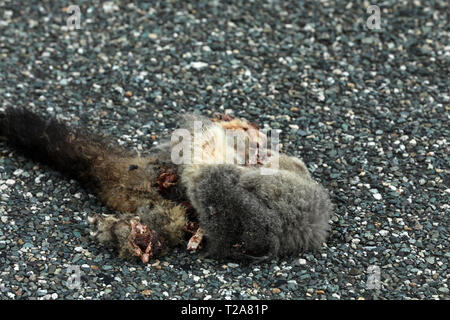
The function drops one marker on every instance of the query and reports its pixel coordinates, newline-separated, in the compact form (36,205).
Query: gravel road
(367,109)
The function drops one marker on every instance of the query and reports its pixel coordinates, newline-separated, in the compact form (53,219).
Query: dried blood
(168,177)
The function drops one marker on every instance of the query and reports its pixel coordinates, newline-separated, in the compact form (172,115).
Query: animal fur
(243,215)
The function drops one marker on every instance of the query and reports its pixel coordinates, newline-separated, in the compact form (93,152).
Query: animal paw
(146,243)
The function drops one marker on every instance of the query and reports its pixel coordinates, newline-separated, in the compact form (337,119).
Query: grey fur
(249,216)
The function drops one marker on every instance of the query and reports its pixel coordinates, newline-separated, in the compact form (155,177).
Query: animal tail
(102,166)
(69,150)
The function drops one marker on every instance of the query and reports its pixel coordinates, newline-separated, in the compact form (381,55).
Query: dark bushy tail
(71,151)
(122,179)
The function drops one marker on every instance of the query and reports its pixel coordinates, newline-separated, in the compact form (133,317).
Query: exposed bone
(195,241)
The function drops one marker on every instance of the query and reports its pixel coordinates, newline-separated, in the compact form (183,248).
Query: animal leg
(127,234)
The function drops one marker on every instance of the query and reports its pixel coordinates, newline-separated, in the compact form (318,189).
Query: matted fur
(244,215)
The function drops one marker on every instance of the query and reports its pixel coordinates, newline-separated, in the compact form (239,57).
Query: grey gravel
(368,111)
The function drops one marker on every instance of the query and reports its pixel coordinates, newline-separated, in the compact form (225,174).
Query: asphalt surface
(367,110)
